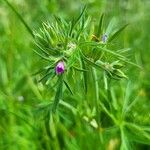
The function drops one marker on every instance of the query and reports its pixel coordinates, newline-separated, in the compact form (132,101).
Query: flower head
(71,46)
(104,38)
(60,67)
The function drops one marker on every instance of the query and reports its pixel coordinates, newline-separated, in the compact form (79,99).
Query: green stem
(96,85)
(97,99)
(59,93)
(96,93)
(83,66)
(124,142)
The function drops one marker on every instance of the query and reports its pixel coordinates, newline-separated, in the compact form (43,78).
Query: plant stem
(97,99)
(96,93)
(59,93)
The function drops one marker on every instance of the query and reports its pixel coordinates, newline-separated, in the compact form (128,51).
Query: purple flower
(104,38)
(60,67)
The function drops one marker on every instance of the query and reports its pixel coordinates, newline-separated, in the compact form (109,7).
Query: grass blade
(125,145)
(117,33)
(138,131)
(74,22)
(45,58)
(79,69)
(120,57)
(91,63)
(59,93)
(46,77)
(68,87)
(20,18)
(84,75)
(99,31)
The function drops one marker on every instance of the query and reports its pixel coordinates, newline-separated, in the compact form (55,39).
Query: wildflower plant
(80,65)
(79,51)
(73,46)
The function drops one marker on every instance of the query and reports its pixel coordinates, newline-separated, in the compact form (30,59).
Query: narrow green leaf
(46,53)
(111,52)
(46,77)
(126,100)
(46,33)
(68,87)
(140,134)
(79,69)
(105,81)
(74,22)
(124,50)
(107,112)
(47,124)
(124,140)
(82,12)
(117,33)
(42,70)
(112,24)
(59,93)
(92,63)
(120,57)
(21,18)
(84,75)
(99,31)
(45,58)
(67,105)
(129,62)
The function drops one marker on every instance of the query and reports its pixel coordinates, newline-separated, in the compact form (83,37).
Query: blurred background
(19,94)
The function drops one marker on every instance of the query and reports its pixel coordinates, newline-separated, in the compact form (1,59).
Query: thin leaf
(46,53)
(59,93)
(126,98)
(112,24)
(120,57)
(46,33)
(105,81)
(92,63)
(68,87)
(84,75)
(42,70)
(67,105)
(47,125)
(80,69)
(45,58)
(74,22)
(107,112)
(139,132)
(117,33)
(21,18)
(99,32)
(111,52)
(124,140)
(46,77)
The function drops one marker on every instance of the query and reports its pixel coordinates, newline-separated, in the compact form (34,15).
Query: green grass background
(19,93)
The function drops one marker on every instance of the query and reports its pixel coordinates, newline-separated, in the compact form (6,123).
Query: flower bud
(60,67)
(104,38)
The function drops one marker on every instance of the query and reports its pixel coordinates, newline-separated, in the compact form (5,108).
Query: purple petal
(104,38)
(60,67)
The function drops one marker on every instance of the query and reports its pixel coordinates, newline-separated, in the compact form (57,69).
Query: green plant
(82,71)
(85,51)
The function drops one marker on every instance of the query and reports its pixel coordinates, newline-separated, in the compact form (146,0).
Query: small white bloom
(71,46)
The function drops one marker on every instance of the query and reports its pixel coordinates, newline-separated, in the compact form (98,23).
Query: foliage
(98,100)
